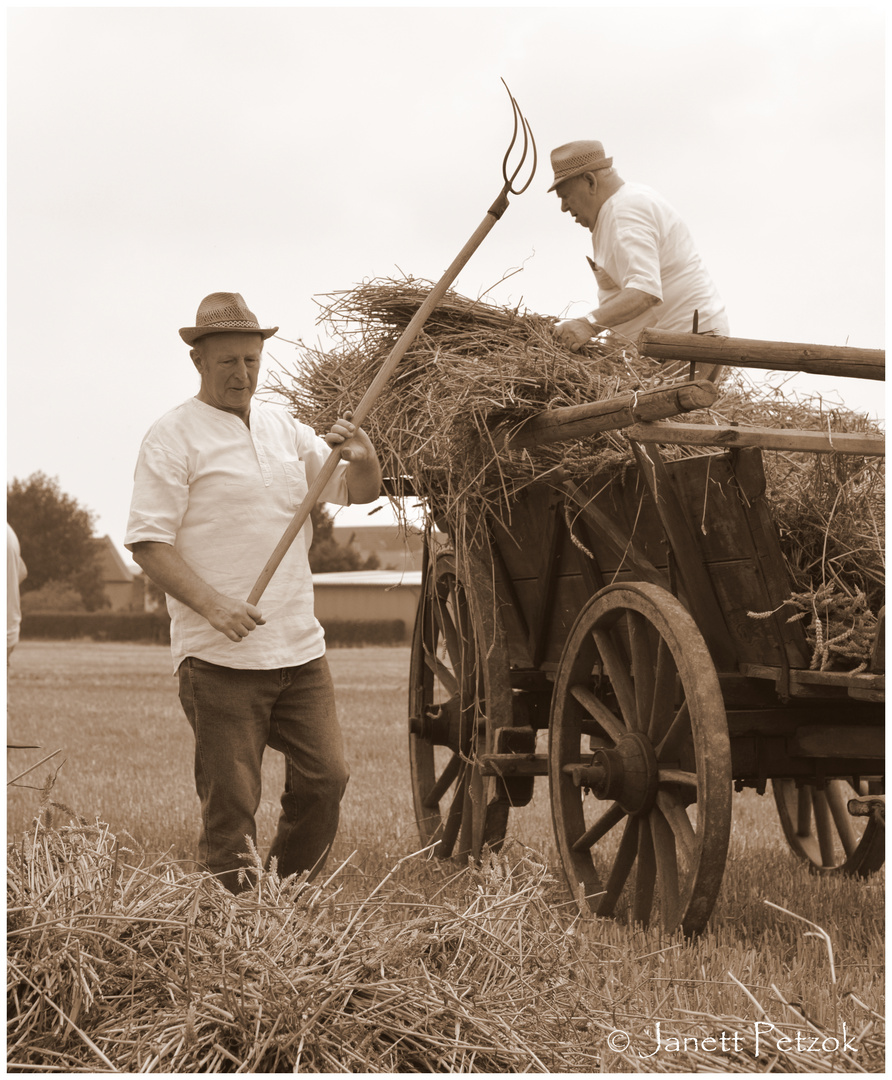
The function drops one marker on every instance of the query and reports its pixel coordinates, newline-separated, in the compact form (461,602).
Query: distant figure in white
(16,572)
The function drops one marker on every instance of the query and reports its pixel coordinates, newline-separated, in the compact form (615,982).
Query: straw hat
(223,313)
(575,158)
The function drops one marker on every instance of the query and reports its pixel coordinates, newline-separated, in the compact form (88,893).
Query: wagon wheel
(451,680)
(640,761)
(822,833)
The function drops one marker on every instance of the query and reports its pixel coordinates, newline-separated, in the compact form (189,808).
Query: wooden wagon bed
(641,622)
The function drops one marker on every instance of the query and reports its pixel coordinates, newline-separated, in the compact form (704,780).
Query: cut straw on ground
(118,966)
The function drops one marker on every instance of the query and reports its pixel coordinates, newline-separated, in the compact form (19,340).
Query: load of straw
(475,364)
(118,966)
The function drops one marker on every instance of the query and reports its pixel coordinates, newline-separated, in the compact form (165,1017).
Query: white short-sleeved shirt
(222,495)
(16,572)
(640,242)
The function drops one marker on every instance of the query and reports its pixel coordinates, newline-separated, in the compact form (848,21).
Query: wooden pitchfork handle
(406,338)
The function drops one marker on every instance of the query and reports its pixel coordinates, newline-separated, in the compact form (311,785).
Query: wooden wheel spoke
(622,867)
(600,829)
(645,874)
(841,818)
(803,811)
(667,865)
(820,831)
(446,677)
(617,670)
(663,694)
(680,824)
(599,712)
(448,632)
(445,780)
(668,747)
(824,827)
(643,664)
(471,833)
(448,833)
(465,657)
(677,776)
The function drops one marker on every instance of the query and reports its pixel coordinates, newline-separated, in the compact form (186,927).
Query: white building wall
(367,595)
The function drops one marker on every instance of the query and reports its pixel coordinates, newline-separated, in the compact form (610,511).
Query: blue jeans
(235,714)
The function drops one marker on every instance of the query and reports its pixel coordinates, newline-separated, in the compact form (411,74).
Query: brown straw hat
(223,313)
(575,158)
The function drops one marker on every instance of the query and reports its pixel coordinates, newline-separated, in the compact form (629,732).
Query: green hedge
(155,628)
(351,633)
(97,625)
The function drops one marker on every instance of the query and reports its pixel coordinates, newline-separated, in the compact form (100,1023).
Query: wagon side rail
(838,360)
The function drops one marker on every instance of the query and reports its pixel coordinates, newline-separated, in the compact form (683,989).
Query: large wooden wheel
(821,832)
(640,761)
(456,684)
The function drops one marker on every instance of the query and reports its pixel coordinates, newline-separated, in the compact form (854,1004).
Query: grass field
(125,757)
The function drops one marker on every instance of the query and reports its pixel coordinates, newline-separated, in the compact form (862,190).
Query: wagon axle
(626,773)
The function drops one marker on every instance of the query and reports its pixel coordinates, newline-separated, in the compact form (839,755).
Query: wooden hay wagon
(605,638)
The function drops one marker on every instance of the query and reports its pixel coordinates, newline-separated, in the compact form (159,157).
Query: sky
(158,154)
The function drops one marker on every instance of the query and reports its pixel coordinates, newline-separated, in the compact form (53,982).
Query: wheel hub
(625,773)
(445,724)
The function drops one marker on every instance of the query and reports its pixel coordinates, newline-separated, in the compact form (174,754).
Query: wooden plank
(569,596)
(746,573)
(550,549)
(866,695)
(839,360)
(577,421)
(513,764)
(698,587)
(727,436)
(511,611)
(520,536)
(749,473)
(780,721)
(740,590)
(620,542)
(842,741)
(589,566)
(812,680)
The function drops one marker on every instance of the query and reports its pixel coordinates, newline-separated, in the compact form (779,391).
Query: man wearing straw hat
(648,270)
(218,480)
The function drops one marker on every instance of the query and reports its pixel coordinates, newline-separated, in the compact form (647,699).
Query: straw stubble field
(123,959)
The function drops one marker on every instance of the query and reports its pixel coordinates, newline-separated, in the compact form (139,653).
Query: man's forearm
(166,568)
(628,304)
(364,480)
(232,616)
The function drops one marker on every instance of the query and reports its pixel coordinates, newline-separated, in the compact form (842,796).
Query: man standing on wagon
(218,479)
(649,272)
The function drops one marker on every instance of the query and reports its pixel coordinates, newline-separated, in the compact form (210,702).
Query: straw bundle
(114,966)
(472,365)
(119,968)
(475,364)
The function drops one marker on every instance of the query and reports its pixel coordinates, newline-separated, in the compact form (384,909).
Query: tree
(326,554)
(56,536)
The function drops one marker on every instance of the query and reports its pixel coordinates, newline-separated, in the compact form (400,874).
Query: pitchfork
(408,336)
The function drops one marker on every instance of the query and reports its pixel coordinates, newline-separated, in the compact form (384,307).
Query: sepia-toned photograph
(445,539)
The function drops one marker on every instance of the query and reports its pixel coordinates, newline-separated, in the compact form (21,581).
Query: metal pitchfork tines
(520,124)
(408,336)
